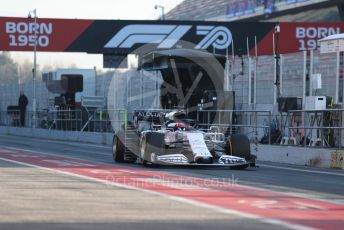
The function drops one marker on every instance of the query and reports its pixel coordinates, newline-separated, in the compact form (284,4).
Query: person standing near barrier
(22,103)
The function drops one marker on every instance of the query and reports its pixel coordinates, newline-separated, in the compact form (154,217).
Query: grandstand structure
(259,10)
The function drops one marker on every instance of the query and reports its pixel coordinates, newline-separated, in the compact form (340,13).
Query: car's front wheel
(239,145)
(153,144)
(146,154)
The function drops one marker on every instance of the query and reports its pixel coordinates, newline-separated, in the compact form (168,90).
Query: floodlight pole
(162,11)
(34,70)
(277,58)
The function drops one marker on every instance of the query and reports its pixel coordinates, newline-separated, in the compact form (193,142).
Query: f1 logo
(164,35)
(168,35)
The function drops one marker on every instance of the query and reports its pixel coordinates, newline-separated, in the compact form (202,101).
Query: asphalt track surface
(66,185)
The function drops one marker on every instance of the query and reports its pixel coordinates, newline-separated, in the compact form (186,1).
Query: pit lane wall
(59,135)
(303,156)
(315,157)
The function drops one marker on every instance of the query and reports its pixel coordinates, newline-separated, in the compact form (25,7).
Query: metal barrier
(10,118)
(320,128)
(249,122)
(101,120)
(69,120)
(96,120)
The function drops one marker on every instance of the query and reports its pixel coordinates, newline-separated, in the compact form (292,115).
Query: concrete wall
(87,137)
(316,157)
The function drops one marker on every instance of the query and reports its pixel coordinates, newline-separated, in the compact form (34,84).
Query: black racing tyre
(153,142)
(239,145)
(146,155)
(118,149)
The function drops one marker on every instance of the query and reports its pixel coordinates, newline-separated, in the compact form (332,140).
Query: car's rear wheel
(118,149)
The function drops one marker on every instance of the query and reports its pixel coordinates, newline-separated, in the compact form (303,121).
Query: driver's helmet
(181,126)
(177,126)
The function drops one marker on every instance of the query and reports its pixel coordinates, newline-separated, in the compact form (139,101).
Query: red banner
(298,36)
(18,34)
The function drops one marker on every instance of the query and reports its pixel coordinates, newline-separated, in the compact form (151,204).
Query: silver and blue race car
(160,138)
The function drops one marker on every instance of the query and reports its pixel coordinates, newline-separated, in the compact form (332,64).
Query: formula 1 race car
(159,138)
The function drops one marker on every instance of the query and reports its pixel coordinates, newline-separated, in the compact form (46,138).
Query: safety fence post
(125,119)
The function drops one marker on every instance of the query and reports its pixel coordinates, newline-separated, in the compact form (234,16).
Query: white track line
(176,198)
